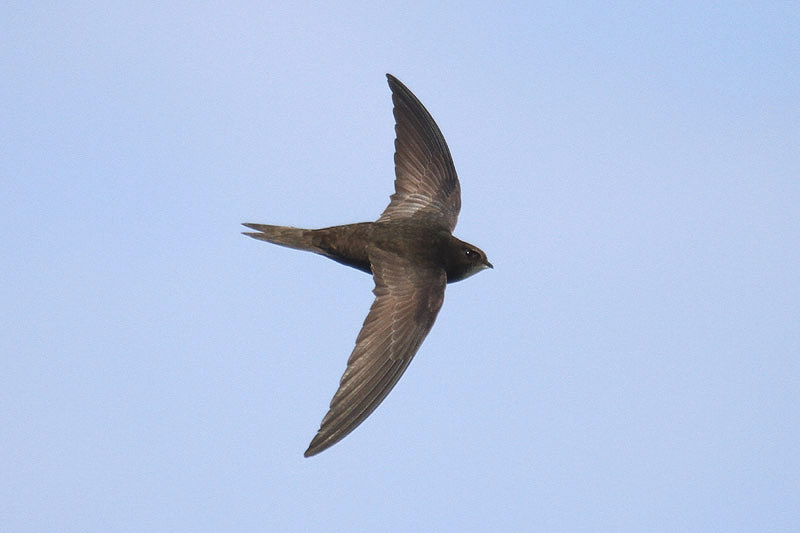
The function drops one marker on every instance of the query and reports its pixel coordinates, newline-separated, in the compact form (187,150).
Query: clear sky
(632,363)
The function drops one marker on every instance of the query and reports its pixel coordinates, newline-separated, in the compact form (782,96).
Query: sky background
(632,363)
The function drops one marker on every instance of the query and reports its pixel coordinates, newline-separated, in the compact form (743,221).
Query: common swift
(410,252)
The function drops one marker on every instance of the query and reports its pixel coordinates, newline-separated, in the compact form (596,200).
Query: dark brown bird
(410,252)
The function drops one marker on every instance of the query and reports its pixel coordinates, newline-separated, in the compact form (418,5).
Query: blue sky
(631,363)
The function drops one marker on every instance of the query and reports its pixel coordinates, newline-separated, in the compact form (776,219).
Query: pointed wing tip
(317,445)
(394,82)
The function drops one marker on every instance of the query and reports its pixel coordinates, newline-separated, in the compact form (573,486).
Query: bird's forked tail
(297,238)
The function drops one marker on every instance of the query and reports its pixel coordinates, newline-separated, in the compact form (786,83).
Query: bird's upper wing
(407,300)
(425,183)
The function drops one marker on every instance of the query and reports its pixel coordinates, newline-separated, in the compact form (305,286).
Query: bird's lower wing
(407,300)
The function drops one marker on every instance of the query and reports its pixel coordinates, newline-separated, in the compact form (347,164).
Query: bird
(411,253)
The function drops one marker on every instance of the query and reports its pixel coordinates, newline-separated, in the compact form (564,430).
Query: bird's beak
(488,264)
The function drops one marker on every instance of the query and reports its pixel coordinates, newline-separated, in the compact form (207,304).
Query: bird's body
(349,244)
(410,252)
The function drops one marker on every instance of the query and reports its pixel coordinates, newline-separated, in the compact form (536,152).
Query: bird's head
(463,260)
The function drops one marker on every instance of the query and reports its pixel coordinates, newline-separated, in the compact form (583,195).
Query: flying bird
(410,252)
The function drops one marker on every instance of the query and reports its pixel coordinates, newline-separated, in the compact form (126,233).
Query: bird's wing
(407,300)
(425,182)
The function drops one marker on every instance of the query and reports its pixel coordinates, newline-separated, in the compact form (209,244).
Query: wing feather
(407,300)
(426,183)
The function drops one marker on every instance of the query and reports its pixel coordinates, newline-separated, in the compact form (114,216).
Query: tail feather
(297,238)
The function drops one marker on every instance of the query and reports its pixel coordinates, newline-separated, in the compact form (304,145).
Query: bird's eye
(470,253)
